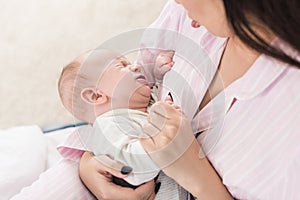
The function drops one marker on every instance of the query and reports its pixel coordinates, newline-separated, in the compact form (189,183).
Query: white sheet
(25,152)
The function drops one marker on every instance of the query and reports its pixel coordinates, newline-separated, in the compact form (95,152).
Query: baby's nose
(135,68)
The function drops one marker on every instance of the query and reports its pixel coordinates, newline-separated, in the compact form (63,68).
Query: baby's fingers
(169,53)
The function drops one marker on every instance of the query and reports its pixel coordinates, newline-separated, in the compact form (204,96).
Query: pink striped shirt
(250,130)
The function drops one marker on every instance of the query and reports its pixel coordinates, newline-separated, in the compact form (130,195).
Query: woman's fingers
(157,118)
(146,191)
(169,134)
(160,108)
(169,100)
(113,167)
(143,192)
(150,130)
(97,176)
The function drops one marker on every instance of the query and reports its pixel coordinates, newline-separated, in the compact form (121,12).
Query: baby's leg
(62,181)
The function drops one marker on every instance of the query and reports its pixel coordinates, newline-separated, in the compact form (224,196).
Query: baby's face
(124,83)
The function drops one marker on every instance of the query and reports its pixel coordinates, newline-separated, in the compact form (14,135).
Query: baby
(103,88)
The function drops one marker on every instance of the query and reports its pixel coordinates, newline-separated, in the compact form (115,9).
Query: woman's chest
(253,146)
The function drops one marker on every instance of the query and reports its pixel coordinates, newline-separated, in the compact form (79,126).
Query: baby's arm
(164,63)
(117,135)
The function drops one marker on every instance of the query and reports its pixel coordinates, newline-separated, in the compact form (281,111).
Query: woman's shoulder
(290,79)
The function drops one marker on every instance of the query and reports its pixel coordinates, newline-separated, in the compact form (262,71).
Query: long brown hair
(281,17)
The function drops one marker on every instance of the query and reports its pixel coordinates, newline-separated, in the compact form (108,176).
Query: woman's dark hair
(281,17)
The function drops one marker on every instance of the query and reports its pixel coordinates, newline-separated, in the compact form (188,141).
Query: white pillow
(23,156)
(54,139)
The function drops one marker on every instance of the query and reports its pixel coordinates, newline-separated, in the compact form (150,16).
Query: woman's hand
(171,144)
(96,173)
(170,141)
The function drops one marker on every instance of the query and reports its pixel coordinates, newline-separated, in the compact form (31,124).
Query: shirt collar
(263,73)
(261,76)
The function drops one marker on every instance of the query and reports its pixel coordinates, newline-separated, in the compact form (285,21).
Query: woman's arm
(173,147)
(197,175)
(97,177)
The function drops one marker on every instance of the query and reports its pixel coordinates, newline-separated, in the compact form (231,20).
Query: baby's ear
(92,96)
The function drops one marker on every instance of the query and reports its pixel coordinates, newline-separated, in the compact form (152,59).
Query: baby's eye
(125,63)
(122,62)
(119,64)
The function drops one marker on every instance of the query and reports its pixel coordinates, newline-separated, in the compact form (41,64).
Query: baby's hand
(164,63)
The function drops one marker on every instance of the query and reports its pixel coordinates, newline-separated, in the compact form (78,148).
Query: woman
(257,154)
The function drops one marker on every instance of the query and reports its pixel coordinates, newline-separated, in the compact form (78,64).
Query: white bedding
(25,152)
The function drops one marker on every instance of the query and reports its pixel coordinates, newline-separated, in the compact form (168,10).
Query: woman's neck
(235,61)
(237,58)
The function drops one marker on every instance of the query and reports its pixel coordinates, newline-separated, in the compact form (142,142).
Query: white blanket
(25,152)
